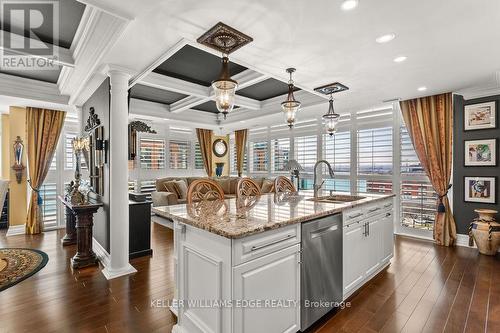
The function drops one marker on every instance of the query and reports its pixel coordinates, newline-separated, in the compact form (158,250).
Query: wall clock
(220,148)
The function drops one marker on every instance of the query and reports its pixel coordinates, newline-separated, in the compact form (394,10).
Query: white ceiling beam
(248,78)
(64,56)
(187,103)
(29,89)
(164,82)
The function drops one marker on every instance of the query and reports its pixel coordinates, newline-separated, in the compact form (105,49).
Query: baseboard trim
(430,239)
(101,253)
(15,230)
(113,274)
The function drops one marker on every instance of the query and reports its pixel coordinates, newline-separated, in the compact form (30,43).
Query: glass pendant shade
(290,106)
(331,119)
(224,89)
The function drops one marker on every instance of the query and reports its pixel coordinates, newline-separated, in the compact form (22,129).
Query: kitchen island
(238,262)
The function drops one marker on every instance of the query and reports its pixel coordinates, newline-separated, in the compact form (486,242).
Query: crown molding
(97,33)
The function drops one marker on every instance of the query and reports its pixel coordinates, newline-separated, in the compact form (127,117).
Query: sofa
(164,197)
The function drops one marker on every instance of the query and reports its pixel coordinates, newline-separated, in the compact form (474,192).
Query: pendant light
(290,106)
(224,89)
(331,119)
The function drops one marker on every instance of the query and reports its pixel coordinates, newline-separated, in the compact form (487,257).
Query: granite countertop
(237,218)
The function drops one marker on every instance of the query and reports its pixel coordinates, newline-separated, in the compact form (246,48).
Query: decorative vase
(485,231)
(218,169)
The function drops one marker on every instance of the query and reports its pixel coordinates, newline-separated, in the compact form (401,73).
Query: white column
(118,177)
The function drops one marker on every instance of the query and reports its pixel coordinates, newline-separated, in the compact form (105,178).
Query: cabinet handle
(354,216)
(373,209)
(368,225)
(258,247)
(388,205)
(388,214)
(364,230)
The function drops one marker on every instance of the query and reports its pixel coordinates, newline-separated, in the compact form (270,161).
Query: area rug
(19,264)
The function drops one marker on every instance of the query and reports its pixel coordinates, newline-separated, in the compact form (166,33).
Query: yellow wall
(5,147)
(18,192)
(225,159)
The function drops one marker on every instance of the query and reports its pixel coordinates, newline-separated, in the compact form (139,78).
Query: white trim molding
(101,253)
(16,230)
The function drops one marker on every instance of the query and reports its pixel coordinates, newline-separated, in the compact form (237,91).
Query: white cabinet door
(387,245)
(373,241)
(354,245)
(275,276)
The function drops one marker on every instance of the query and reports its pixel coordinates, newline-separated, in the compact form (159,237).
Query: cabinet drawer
(255,246)
(353,215)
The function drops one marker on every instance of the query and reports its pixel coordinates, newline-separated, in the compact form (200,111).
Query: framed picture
(480,152)
(480,116)
(480,189)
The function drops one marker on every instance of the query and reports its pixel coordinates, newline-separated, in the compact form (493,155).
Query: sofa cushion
(267,186)
(181,188)
(224,183)
(169,186)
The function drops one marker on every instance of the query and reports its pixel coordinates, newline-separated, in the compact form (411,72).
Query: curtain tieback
(39,197)
(441,208)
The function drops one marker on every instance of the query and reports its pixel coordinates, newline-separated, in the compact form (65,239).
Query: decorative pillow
(267,186)
(170,187)
(181,188)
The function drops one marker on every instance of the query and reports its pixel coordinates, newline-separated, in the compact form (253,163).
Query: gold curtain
(240,138)
(430,125)
(43,130)
(205,140)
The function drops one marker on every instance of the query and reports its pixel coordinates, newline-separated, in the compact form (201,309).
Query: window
(152,152)
(280,153)
(69,156)
(198,159)
(259,156)
(306,148)
(179,154)
(375,186)
(48,192)
(418,199)
(337,151)
(375,151)
(410,165)
(418,204)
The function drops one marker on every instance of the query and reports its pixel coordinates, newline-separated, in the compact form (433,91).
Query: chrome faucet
(317,187)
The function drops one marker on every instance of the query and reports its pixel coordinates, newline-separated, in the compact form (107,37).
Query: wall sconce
(18,166)
(101,147)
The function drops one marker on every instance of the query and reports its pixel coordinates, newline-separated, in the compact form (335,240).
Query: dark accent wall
(100,100)
(464,211)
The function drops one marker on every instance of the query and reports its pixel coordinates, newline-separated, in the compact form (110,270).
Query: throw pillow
(181,188)
(170,187)
(267,186)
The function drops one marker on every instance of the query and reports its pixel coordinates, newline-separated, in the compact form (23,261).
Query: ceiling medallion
(290,106)
(224,38)
(331,88)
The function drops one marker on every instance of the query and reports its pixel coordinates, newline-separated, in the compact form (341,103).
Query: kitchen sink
(337,198)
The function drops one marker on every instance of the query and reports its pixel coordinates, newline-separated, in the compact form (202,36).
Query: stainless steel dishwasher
(321,269)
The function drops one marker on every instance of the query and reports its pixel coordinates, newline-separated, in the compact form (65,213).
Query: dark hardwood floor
(59,299)
(427,288)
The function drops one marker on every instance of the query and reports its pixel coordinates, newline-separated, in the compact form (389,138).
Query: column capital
(115,71)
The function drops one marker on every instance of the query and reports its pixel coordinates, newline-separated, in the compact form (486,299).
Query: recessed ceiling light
(349,4)
(400,59)
(385,38)
(422,88)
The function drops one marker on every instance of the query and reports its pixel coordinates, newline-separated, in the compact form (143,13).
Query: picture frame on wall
(480,152)
(480,189)
(480,116)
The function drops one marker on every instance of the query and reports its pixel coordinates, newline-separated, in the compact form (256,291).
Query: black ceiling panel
(40,75)
(151,94)
(70,14)
(209,106)
(264,90)
(196,66)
